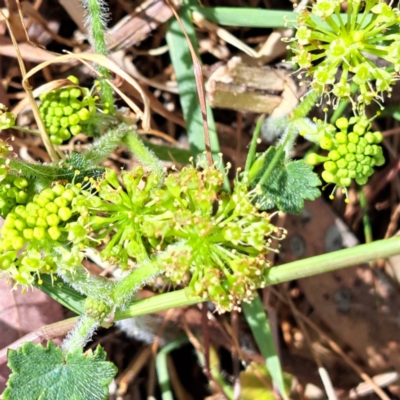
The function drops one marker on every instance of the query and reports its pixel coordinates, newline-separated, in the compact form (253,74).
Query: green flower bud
(327,176)
(28,234)
(342,163)
(334,155)
(56,140)
(73,119)
(52,220)
(20,183)
(361,180)
(326,143)
(75,104)
(342,123)
(20,224)
(64,213)
(32,207)
(345,182)
(352,174)
(330,166)
(75,130)
(341,137)
(342,149)
(353,137)
(58,112)
(58,189)
(64,94)
(379,160)
(378,137)
(73,79)
(64,122)
(41,222)
(352,165)
(51,208)
(48,194)
(64,134)
(359,129)
(61,202)
(84,114)
(54,232)
(313,159)
(68,195)
(74,93)
(31,221)
(342,173)
(18,243)
(68,111)
(39,233)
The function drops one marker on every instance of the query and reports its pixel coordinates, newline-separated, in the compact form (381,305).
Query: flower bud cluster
(13,191)
(352,152)
(65,111)
(35,229)
(96,309)
(337,52)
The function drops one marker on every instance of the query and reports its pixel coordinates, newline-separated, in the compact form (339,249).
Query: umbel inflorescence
(340,50)
(185,226)
(351,153)
(66,111)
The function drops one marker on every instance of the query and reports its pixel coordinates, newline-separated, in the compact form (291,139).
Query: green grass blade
(167,153)
(259,325)
(183,67)
(246,17)
(63,293)
(162,367)
(256,17)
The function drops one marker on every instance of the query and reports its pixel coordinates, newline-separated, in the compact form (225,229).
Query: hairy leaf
(45,374)
(288,185)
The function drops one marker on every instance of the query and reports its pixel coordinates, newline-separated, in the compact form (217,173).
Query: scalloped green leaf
(46,374)
(288,185)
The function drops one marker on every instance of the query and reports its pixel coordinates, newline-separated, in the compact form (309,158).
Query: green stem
(253,146)
(144,155)
(105,145)
(283,273)
(366,220)
(308,102)
(124,289)
(80,335)
(96,20)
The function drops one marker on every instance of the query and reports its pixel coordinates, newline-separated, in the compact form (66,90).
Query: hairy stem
(124,289)
(80,335)
(143,154)
(96,24)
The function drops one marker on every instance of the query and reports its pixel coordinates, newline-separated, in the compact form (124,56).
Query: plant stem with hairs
(96,24)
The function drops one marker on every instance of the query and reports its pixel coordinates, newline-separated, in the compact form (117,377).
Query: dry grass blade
(198,74)
(200,21)
(46,141)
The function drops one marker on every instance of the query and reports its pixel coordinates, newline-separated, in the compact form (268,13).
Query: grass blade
(259,325)
(183,67)
(162,367)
